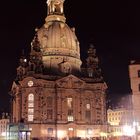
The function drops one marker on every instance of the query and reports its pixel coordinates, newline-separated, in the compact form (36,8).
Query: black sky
(112,26)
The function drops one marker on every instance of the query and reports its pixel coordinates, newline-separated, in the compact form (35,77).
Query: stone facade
(52,93)
(134,74)
(4,125)
(117,120)
(68,102)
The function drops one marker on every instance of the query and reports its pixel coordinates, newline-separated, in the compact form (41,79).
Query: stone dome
(59,44)
(56,38)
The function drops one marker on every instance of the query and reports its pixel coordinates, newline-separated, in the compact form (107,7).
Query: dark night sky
(112,26)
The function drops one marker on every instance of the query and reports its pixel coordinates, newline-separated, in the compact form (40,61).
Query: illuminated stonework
(55,7)
(60,47)
(69,100)
(134,74)
(51,92)
(58,42)
(118,119)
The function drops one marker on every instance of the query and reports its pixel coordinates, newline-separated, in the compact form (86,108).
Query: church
(52,93)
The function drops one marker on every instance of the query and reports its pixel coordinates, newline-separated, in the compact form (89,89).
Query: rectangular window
(70,115)
(49,101)
(69,102)
(90,74)
(30,118)
(70,118)
(139,87)
(49,113)
(31,111)
(138,73)
(50,131)
(87,115)
(87,106)
(89,131)
(70,129)
(70,112)
(30,104)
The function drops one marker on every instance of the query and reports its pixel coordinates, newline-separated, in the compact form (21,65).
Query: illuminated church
(52,93)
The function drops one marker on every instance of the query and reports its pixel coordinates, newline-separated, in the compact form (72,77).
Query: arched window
(88,112)
(87,106)
(30,107)
(31,97)
(70,110)
(69,102)
(138,73)
(139,87)
(49,102)
(31,100)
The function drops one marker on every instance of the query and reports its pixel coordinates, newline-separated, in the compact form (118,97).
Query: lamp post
(128,131)
(136,124)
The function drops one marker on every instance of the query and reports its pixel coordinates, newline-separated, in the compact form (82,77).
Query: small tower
(93,69)
(134,75)
(35,63)
(92,60)
(22,68)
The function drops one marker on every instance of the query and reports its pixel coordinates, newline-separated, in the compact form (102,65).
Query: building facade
(118,119)
(4,121)
(119,116)
(52,93)
(134,74)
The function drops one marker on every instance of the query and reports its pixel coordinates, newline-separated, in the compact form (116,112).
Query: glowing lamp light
(61,10)
(70,129)
(58,18)
(29,133)
(23,133)
(61,133)
(89,131)
(128,130)
(103,134)
(30,129)
(138,128)
(117,134)
(3,134)
(81,133)
(30,83)
(135,123)
(43,131)
(25,60)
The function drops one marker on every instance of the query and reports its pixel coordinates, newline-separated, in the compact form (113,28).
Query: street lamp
(128,130)
(135,125)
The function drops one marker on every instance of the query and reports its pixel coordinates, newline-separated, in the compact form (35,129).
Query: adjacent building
(117,119)
(4,121)
(119,116)
(52,93)
(134,74)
